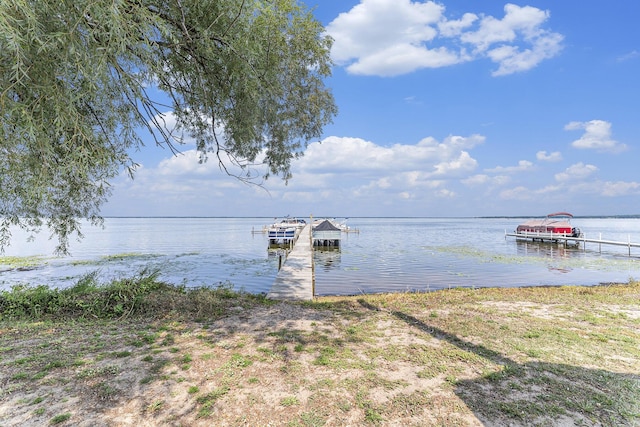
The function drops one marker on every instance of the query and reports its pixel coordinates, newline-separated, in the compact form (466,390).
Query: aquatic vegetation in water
(187,254)
(106,259)
(128,255)
(564,261)
(27,263)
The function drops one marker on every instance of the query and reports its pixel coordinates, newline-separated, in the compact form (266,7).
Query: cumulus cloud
(523,166)
(336,154)
(456,167)
(393,37)
(354,155)
(341,168)
(483,179)
(597,136)
(578,171)
(575,188)
(455,28)
(516,42)
(356,173)
(556,156)
(355,169)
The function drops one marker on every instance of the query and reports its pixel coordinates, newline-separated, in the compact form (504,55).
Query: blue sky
(452,108)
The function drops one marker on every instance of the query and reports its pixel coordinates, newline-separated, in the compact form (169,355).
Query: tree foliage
(76,85)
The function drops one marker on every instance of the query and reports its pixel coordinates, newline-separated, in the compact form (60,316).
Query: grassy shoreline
(143,352)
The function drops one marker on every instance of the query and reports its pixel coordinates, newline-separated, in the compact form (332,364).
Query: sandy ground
(278,365)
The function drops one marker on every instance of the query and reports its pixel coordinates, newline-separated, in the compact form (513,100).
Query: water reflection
(547,249)
(327,258)
(277,254)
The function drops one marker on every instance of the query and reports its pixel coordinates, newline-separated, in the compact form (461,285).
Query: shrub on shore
(141,295)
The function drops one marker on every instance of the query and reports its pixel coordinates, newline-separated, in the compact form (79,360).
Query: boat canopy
(560,214)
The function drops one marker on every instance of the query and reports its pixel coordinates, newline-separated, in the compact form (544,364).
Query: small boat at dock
(553,226)
(285,230)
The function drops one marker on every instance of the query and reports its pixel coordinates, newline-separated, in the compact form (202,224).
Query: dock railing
(578,239)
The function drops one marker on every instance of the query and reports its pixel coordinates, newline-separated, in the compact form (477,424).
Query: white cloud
(455,167)
(357,156)
(517,193)
(336,171)
(402,59)
(578,190)
(523,166)
(578,171)
(620,188)
(524,193)
(512,59)
(445,194)
(604,189)
(556,156)
(347,154)
(597,136)
(629,56)
(401,179)
(521,42)
(479,179)
(393,37)
(483,179)
(375,25)
(525,20)
(186,163)
(455,28)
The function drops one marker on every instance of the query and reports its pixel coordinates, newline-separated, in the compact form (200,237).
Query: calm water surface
(387,254)
(418,254)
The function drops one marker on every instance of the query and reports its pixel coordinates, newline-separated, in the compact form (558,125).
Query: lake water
(386,255)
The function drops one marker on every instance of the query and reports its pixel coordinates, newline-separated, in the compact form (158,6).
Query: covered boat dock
(326,234)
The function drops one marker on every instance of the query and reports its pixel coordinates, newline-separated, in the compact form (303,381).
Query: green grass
(289,401)
(60,418)
(208,400)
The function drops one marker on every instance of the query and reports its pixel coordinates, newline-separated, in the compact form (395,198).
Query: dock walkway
(295,280)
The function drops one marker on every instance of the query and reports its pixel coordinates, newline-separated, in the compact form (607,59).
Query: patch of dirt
(268,366)
(545,311)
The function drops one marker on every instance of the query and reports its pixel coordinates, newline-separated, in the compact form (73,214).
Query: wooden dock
(579,240)
(295,280)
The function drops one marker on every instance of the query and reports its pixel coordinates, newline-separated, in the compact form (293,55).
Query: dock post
(313,264)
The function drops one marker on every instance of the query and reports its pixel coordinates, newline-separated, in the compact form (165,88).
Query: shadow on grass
(539,393)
